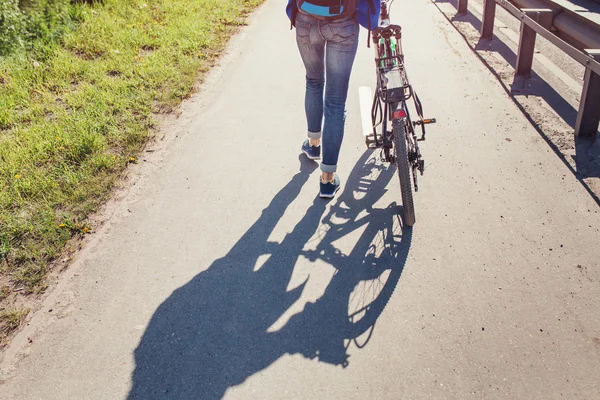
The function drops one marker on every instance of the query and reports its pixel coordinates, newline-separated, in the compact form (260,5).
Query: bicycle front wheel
(404,172)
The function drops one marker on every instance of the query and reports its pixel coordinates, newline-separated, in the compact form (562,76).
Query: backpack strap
(293,13)
(371,12)
(293,17)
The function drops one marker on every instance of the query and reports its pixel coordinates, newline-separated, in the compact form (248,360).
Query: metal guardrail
(541,21)
(578,25)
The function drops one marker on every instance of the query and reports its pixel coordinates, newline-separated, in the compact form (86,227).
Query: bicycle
(399,145)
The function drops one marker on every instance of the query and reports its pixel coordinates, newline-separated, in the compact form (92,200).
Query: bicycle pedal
(371,142)
(422,166)
(425,121)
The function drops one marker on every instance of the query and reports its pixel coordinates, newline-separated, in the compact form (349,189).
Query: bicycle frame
(392,93)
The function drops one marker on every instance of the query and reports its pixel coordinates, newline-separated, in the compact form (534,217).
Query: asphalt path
(220,273)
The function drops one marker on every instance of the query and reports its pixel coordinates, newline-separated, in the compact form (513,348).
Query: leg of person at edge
(328,48)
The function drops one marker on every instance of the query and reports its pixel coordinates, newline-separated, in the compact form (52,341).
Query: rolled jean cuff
(328,168)
(314,135)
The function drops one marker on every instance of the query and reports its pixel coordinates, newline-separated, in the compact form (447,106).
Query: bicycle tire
(404,172)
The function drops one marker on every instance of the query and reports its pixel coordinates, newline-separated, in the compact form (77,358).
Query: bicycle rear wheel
(404,171)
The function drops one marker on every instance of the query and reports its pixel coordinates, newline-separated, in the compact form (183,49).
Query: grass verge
(75,112)
(9,321)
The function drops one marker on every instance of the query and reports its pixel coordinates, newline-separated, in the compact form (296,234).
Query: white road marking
(365,95)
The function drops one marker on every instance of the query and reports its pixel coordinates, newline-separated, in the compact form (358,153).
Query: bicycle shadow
(213,332)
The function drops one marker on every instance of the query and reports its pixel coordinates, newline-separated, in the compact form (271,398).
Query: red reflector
(398,114)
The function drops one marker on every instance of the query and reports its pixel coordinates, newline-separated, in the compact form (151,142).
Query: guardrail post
(487,23)
(527,39)
(588,118)
(462,6)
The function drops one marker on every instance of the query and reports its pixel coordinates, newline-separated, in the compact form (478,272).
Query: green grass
(76,111)
(9,321)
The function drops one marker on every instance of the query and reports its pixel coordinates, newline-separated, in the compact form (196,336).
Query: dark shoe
(329,189)
(312,152)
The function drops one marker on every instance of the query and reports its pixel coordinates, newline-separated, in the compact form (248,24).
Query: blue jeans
(328,49)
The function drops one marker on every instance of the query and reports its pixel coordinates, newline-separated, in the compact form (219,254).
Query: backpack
(327,9)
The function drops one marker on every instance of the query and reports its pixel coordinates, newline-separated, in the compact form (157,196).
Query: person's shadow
(213,333)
